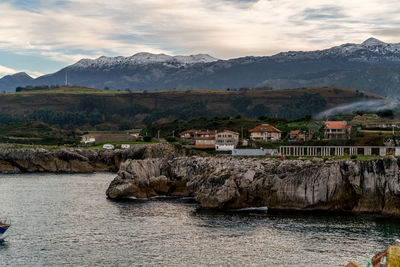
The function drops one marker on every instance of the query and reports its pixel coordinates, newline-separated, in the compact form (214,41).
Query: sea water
(66,220)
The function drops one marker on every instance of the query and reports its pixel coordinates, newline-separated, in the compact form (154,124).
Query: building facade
(226,140)
(337,130)
(204,139)
(265,133)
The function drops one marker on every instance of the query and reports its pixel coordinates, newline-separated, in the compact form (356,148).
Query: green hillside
(95,109)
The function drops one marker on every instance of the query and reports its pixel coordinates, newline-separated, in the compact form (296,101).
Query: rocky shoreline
(78,160)
(225,183)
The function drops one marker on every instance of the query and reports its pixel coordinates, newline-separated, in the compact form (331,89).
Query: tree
(241,103)
(259,110)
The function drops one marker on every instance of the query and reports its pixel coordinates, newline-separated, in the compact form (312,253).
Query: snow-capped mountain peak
(144,58)
(371,50)
(372,42)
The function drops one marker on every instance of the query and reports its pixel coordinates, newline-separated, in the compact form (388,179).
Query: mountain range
(372,66)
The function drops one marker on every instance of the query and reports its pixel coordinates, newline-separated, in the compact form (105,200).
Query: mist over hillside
(372,66)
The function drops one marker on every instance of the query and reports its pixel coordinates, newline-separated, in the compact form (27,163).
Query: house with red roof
(340,130)
(265,133)
(189,134)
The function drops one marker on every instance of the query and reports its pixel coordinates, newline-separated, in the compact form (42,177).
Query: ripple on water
(67,220)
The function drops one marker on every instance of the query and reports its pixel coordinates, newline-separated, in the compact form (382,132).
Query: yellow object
(393,256)
(355,264)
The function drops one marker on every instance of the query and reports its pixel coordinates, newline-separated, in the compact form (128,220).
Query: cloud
(331,12)
(68,30)
(6,70)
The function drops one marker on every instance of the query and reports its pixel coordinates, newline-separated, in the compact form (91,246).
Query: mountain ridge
(146,71)
(21,78)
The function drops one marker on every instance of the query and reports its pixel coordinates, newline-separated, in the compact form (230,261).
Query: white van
(108,146)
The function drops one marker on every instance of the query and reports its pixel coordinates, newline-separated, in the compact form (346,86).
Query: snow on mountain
(372,65)
(370,50)
(144,59)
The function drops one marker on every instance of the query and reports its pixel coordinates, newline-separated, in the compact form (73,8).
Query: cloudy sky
(42,36)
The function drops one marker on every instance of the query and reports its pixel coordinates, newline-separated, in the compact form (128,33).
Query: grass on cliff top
(118,144)
(69,90)
(54,147)
(26,146)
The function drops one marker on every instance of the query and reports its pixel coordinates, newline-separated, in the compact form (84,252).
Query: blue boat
(4,225)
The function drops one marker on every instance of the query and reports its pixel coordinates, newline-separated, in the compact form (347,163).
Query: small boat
(4,225)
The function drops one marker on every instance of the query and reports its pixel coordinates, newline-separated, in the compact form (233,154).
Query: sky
(42,36)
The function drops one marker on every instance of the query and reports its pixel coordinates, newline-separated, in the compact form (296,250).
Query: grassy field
(378,131)
(88,90)
(69,90)
(118,144)
(55,147)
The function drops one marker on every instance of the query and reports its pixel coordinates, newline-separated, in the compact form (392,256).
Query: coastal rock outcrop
(349,185)
(76,160)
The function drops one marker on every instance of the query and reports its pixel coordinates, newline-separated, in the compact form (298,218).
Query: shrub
(170,139)
(147,138)
(353,156)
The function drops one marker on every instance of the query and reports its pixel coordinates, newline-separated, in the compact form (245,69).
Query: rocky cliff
(351,185)
(78,160)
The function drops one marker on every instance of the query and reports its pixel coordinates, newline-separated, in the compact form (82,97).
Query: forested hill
(98,109)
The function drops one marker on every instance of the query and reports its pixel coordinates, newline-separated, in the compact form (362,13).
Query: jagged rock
(77,160)
(351,185)
(6,167)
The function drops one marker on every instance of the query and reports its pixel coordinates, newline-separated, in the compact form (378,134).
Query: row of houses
(228,140)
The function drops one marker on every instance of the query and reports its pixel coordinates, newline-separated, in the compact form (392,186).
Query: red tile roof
(336,125)
(192,131)
(265,128)
(295,132)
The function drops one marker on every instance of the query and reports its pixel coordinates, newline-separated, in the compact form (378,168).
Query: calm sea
(66,220)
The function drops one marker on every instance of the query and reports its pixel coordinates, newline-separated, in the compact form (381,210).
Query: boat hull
(3,229)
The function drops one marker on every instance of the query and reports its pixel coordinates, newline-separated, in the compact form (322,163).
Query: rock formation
(351,185)
(78,160)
